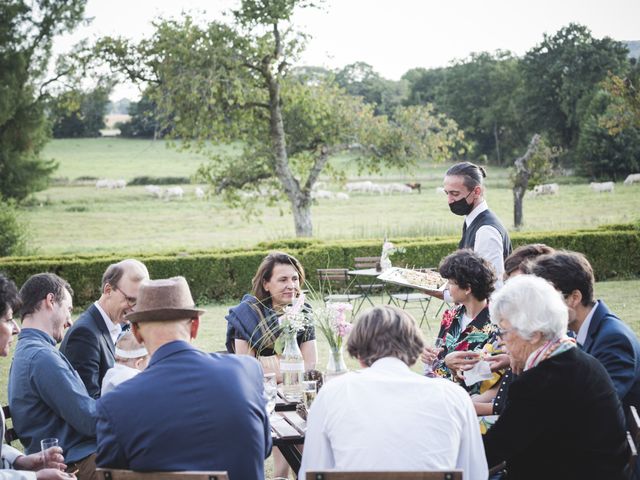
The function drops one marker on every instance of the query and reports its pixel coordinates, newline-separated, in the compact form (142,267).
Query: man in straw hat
(188,410)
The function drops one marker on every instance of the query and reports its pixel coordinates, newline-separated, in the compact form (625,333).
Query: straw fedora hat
(164,300)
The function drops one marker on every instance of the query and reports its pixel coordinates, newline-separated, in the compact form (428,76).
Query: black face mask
(461,207)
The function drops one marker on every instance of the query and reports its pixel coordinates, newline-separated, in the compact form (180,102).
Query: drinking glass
(47,458)
(429,368)
(270,391)
(310,390)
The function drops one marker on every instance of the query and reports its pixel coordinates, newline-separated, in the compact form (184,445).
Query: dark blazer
(188,410)
(562,420)
(89,348)
(617,348)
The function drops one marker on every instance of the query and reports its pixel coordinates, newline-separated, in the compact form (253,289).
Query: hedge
(227,274)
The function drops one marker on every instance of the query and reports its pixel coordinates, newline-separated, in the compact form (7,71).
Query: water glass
(310,390)
(270,392)
(47,458)
(429,368)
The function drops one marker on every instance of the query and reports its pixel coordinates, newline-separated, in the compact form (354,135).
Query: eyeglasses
(501,332)
(130,300)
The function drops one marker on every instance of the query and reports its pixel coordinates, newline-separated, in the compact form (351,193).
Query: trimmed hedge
(227,274)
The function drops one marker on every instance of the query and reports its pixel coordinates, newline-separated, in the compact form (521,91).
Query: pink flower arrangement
(332,322)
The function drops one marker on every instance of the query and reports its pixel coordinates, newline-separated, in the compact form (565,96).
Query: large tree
(27,30)
(227,82)
(77,113)
(561,74)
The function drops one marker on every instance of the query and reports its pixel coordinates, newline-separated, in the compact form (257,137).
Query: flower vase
(336,364)
(292,368)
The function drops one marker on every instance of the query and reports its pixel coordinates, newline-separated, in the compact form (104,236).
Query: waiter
(482,230)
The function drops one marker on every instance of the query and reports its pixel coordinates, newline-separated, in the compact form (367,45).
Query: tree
(27,30)
(561,74)
(79,114)
(225,83)
(145,122)
(624,109)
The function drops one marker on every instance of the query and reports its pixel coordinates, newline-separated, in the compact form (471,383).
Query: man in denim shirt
(46,395)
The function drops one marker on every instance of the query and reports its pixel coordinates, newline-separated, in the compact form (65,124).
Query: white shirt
(115,329)
(387,417)
(116,375)
(488,244)
(584,328)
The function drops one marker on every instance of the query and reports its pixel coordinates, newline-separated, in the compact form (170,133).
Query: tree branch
(237,183)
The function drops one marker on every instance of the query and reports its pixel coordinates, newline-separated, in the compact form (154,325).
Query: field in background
(72,219)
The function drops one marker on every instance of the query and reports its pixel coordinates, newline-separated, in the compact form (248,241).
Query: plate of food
(425,279)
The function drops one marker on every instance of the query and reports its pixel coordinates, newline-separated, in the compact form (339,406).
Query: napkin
(480,371)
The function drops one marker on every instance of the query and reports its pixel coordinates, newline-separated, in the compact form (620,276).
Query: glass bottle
(292,368)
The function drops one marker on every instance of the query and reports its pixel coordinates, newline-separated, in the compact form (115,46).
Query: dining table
(288,428)
(367,281)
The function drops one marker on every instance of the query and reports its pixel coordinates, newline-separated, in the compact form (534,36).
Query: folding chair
(334,286)
(387,475)
(117,474)
(422,299)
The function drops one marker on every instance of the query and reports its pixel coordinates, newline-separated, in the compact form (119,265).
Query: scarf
(548,350)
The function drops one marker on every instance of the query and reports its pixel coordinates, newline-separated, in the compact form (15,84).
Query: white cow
(103,183)
(199,192)
(153,190)
(601,187)
(316,194)
(173,192)
(400,187)
(365,187)
(632,178)
(546,189)
(342,196)
(120,183)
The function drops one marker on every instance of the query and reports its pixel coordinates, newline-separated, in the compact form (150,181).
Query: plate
(427,280)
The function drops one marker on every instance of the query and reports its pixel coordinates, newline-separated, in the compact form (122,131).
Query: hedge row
(226,275)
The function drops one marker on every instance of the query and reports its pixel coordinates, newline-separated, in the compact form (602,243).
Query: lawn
(74,219)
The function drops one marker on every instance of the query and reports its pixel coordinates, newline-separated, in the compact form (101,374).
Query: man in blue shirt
(189,410)
(46,395)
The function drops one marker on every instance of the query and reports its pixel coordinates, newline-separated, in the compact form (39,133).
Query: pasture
(83,219)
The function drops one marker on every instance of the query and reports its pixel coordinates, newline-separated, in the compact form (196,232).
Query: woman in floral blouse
(466,328)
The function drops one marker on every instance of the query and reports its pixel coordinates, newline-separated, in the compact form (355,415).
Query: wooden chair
(117,474)
(334,286)
(10,434)
(390,475)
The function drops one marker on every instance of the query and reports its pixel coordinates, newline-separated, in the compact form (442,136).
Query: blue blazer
(189,410)
(615,345)
(89,348)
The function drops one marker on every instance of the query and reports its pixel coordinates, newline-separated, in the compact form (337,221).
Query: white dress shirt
(387,417)
(584,328)
(115,329)
(116,375)
(488,245)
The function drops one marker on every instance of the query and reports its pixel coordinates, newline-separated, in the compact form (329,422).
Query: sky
(391,35)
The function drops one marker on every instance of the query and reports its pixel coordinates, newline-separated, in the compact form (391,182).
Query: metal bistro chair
(117,474)
(388,475)
(371,286)
(334,287)
(422,299)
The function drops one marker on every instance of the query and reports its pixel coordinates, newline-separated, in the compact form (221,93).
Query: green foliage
(227,274)
(608,153)
(148,180)
(27,30)
(79,114)
(144,121)
(13,233)
(623,111)
(560,76)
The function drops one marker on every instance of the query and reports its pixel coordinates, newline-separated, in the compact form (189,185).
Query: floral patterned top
(476,334)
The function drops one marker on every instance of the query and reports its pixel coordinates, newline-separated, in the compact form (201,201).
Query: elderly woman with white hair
(563,418)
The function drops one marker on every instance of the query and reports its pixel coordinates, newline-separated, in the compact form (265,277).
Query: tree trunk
(497,140)
(521,180)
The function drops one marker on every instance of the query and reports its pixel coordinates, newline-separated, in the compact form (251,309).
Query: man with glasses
(90,343)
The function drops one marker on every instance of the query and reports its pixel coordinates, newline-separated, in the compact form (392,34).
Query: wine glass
(310,390)
(270,392)
(429,368)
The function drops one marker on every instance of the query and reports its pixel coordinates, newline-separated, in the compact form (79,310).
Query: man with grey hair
(387,417)
(209,405)
(90,343)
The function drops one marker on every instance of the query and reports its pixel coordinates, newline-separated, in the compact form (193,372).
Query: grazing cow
(173,192)
(546,189)
(153,190)
(103,183)
(120,183)
(199,192)
(365,187)
(414,186)
(342,196)
(399,187)
(632,178)
(317,194)
(601,187)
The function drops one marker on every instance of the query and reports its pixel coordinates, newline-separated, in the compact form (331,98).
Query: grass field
(71,219)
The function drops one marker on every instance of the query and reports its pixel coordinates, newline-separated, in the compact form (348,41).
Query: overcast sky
(391,35)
